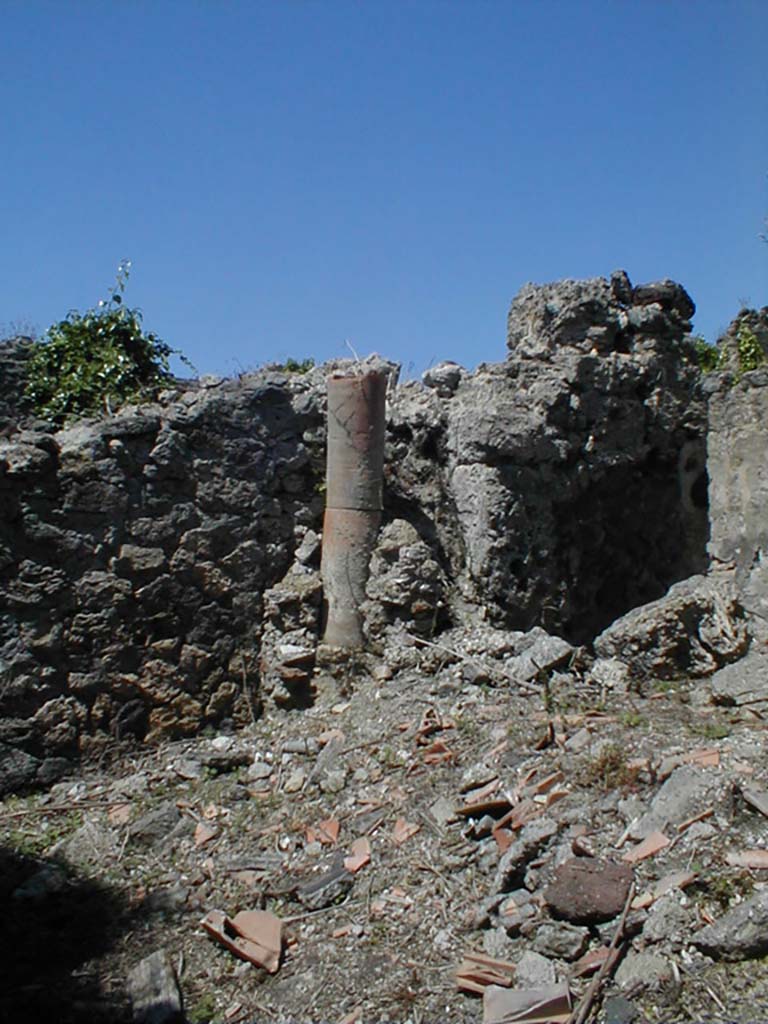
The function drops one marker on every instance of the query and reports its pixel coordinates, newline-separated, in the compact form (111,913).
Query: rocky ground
(438,800)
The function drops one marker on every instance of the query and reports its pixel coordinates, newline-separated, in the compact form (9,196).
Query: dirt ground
(128,857)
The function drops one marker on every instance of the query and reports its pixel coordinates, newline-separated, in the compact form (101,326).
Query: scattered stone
(259,770)
(496,943)
(295,781)
(87,848)
(188,768)
(561,940)
(641,970)
(533,970)
(443,811)
(586,891)
(541,653)
(333,781)
(688,791)
(48,880)
(330,887)
(741,934)
(531,839)
(154,991)
(743,683)
(221,761)
(155,826)
(668,921)
(618,1010)
(694,629)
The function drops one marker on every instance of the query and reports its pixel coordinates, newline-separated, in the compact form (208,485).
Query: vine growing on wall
(97,360)
(750,354)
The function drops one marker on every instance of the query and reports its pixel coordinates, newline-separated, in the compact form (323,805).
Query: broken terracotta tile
(253,935)
(674,880)
(481,793)
(553,796)
(546,783)
(757,859)
(477,810)
(204,833)
(353,1017)
(119,814)
(403,830)
(520,815)
(504,838)
(651,845)
(477,971)
(549,1005)
(431,722)
(704,757)
(438,753)
(590,962)
(359,857)
(329,735)
(328,831)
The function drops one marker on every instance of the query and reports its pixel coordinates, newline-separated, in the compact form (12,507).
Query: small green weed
(723,889)
(609,770)
(296,365)
(633,719)
(203,1011)
(712,730)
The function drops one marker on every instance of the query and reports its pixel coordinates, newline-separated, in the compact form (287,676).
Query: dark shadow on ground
(48,941)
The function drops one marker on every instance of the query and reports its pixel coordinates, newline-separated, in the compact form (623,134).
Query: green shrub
(751,354)
(96,360)
(709,357)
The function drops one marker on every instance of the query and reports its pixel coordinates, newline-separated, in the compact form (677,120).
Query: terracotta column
(353,499)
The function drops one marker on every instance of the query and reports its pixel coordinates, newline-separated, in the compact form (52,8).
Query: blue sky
(288,176)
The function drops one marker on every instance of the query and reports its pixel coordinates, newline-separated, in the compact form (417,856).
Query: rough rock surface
(693,630)
(570,483)
(739,934)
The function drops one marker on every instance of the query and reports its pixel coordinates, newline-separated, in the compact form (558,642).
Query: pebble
(295,781)
(534,971)
(561,940)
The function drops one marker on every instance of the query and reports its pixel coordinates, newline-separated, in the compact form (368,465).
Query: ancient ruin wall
(139,554)
(133,557)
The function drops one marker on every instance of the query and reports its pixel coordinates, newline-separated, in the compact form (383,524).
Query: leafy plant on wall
(94,361)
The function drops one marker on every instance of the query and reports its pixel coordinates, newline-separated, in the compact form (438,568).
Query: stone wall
(134,553)
(738,485)
(567,484)
(152,563)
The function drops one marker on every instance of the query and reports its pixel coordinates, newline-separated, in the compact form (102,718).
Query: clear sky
(289,175)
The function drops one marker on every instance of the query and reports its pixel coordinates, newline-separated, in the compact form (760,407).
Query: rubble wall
(142,554)
(738,468)
(567,484)
(134,553)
